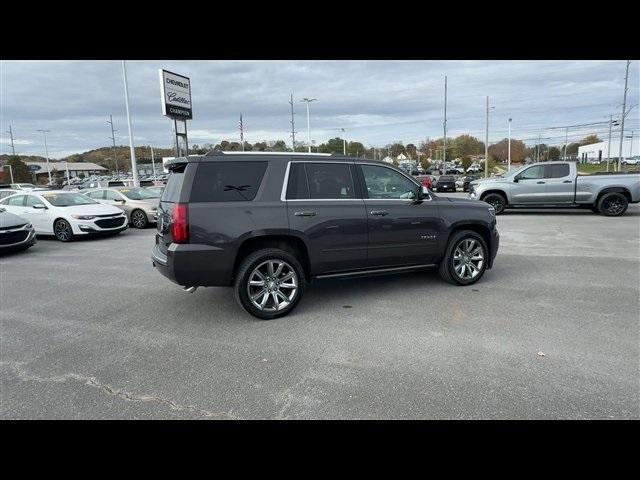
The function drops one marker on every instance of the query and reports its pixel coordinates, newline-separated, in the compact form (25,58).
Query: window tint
(533,172)
(298,187)
(382,182)
(227,181)
(171,192)
(557,171)
(329,181)
(111,195)
(33,200)
(17,200)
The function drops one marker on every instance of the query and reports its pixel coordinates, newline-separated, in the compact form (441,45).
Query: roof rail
(220,152)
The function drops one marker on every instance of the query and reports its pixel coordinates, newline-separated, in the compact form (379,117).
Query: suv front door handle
(379,213)
(305,214)
(567,181)
(539,183)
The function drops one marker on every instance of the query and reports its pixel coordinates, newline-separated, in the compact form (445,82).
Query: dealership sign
(176,95)
(34,168)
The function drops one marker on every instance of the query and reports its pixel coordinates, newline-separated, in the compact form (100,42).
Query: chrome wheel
(63,231)
(139,219)
(468,259)
(272,285)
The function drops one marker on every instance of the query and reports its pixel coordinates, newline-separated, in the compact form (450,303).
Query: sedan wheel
(139,219)
(63,231)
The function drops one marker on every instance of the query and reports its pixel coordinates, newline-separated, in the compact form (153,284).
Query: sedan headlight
(84,217)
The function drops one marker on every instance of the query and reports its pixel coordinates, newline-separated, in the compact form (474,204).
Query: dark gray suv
(268,223)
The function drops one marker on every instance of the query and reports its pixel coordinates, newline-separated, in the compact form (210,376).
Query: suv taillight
(180,223)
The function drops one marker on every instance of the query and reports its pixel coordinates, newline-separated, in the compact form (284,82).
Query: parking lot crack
(24,375)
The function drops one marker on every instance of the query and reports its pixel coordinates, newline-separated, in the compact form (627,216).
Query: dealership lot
(90,330)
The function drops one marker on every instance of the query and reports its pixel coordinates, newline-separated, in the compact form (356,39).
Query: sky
(376,102)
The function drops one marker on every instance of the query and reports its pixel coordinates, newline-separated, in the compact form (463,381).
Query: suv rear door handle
(379,213)
(539,183)
(567,181)
(305,214)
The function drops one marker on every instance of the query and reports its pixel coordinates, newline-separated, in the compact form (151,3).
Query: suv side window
(532,173)
(227,181)
(297,188)
(382,182)
(329,181)
(556,171)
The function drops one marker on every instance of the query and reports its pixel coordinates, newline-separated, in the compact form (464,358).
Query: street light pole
(46,151)
(113,139)
(486,144)
(10,172)
(444,149)
(153,163)
(344,144)
(134,164)
(308,101)
(509,149)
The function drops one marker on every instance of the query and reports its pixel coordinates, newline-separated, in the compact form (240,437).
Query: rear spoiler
(176,164)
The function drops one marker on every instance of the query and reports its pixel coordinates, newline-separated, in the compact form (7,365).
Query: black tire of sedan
(139,219)
(269,283)
(465,259)
(613,204)
(62,230)
(497,201)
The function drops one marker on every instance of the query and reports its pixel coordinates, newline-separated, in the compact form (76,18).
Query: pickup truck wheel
(613,204)
(497,201)
(269,283)
(465,259)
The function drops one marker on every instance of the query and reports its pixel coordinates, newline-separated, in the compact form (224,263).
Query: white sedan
(65,214)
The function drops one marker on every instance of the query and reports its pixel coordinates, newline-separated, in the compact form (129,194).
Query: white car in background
(65,214)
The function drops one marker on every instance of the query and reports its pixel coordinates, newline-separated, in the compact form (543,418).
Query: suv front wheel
(269,283)
(465,259)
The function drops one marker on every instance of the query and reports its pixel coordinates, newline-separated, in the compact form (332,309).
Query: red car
(425,181)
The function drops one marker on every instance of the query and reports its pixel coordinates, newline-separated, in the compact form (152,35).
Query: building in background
(598,151)
(39,169)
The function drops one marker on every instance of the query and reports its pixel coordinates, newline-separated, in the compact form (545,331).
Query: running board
(374,271)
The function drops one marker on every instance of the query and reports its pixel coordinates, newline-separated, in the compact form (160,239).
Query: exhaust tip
(189,289)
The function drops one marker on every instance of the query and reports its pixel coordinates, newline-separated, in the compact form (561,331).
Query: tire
(62,230)
(139,219)
(497,201)
(613,204)
(259,261)
(452,271)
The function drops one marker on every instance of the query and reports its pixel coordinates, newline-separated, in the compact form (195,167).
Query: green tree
(464,145)
(396,149)
(20,170)
(589,139)
(412,151)
(500,151)
(354,149)
(334,145)
(466,162)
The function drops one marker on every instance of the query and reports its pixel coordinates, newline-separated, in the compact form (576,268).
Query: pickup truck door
(560,183)
(531,186)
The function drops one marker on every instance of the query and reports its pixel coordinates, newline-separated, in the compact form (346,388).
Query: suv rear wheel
(269,283)
(465,259)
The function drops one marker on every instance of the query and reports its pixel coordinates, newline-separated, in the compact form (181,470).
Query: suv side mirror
(516,179)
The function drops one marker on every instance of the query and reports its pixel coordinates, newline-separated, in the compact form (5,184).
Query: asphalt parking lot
(91,331)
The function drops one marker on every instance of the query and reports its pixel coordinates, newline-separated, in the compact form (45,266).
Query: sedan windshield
(137,193)
(67,199)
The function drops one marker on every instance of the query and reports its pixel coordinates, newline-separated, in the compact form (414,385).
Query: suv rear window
(298,187)
(226,181)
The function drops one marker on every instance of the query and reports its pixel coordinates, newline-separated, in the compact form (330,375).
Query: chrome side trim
(376,270)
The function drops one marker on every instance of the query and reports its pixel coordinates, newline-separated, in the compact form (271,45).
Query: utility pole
(308,101)
(538,149)
(293,126)
(444,150)
(13,149)
(509,149)
(566,140)
(486,144)
(609,147)
(134,164)
(624,113)
(46,151)
(113,139)
(344,144)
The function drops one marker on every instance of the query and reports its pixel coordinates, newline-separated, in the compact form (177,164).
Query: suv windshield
(67,199)
(137,193)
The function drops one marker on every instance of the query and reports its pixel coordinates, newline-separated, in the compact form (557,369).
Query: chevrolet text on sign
(176,95)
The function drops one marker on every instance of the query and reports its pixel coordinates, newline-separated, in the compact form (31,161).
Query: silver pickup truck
(557,184)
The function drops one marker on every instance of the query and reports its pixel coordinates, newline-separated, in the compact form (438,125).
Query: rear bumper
(194,265)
